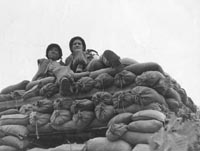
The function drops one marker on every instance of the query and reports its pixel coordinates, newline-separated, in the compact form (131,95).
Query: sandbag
(96,123)
(142,147)
(154,106)
(14,142)
(133,108)
(115,131)
(95,64)
(68,126)
(39,119)
(124,78)
(135,138)
(9,111)
(104,112)
(2,134)
(190,104)
(171,93)
(18,94)
(149,78)
(104,80)
(60,117)
(82,105)
(49,90)
(7,148)
(63,103)
(43,106)
(103,144)
(104,97)
(83,119)
(33,92)
(172,104)
(42,82)
(148,115)
(121,118)
(122,99)
(182,94)
(144,96)
(26,109)
(145,126)
(162,86)
(42,129)
(18,131)
(14,119)
(139,68)
(5,97)
(19,86)
(85,84)
(63,147)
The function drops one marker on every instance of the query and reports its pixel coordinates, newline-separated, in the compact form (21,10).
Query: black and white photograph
(100,75)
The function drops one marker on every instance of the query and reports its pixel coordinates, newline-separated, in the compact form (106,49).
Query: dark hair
(53,45)
(75,38)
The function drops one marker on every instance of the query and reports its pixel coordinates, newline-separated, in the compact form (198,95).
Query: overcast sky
(163,31)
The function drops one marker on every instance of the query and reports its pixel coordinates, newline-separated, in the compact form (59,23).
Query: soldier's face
(53,53)
(77,45)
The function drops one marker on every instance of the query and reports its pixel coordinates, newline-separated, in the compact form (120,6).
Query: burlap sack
(103,144)
(104,112)
(60,117)
(104,97)
(124,78)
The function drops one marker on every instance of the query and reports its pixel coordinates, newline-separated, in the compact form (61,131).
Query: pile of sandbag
(132,105)
(147,87)
(13,131)
(127,130)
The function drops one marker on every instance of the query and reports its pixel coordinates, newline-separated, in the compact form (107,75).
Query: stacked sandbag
(25,89)
(138,98)
(9,111)
(103,109)
(124,78)
(19,86)
(39,116)
(72,114)
(144,96)
(60,117)
(79,121)
(13,131)
(49,90)
(16,119)
(122,99)
(175,96)
(39,122)
(131,103)
(142,147)
(82,105)
(43,106)
(102,97)
(103,144)
(185,99)
(144,124)
(85,84)
(104,112)
(149,78)
(135,128)
(104,80)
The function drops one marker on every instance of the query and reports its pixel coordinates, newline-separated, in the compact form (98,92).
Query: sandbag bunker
(129,107)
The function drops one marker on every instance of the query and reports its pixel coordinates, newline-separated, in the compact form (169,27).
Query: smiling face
(77,45)
(54,54)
